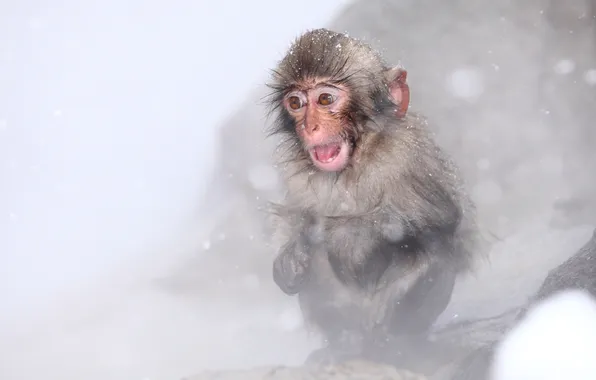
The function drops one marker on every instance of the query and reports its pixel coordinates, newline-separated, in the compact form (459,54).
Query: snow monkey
(375,225)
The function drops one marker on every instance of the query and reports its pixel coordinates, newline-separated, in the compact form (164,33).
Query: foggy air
(390,187)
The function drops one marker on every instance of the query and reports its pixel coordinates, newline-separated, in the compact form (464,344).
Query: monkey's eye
(326,99)
(294,102)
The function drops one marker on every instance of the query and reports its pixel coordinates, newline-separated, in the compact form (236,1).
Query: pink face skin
(316,110)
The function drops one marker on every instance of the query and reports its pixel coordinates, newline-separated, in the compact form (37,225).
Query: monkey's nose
(310,128)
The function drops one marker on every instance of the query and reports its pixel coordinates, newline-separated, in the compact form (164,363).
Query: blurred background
(133,167)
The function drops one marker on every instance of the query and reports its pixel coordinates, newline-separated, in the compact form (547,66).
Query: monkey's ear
(399,89)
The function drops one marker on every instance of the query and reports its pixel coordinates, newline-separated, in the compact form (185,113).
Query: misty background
(133,167)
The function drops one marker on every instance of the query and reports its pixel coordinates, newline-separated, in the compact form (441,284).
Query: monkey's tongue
(326,153)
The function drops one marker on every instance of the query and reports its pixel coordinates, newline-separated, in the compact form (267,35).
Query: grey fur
(374,249)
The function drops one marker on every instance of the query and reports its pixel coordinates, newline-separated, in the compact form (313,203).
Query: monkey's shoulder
(406,149)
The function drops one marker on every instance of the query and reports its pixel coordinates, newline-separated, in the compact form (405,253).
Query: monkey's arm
(291,265)
(302,234)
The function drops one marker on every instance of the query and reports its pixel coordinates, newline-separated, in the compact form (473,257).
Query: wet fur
(372,238)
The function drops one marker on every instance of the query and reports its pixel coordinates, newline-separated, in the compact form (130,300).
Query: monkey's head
(329,90)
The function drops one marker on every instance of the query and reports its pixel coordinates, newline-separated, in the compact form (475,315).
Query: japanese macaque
(375,226)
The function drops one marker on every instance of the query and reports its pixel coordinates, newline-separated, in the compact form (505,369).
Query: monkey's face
(319,113)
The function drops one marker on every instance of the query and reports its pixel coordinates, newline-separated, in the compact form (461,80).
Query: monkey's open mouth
(331,156)
(327,153)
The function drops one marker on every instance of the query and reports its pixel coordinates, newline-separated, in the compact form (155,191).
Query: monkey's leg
(401,335)
(420,307)
(409,299)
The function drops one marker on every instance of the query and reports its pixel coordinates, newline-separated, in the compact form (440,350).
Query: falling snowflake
(290,320)
(206,245)
(590,77)
(487,192)
(564,67)
(483,164)
(35,23)
(263,177)
(466,83)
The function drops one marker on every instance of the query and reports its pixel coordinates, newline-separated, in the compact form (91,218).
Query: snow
(552,164)
(263,177)
(466,83)
(487,192)
(251,282)
(483,164)
(564,67)
(291,319)
(108,119)
(35,23)
(590,77)
(556,340)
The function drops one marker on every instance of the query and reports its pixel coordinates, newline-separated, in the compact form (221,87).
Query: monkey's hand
(291,267)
